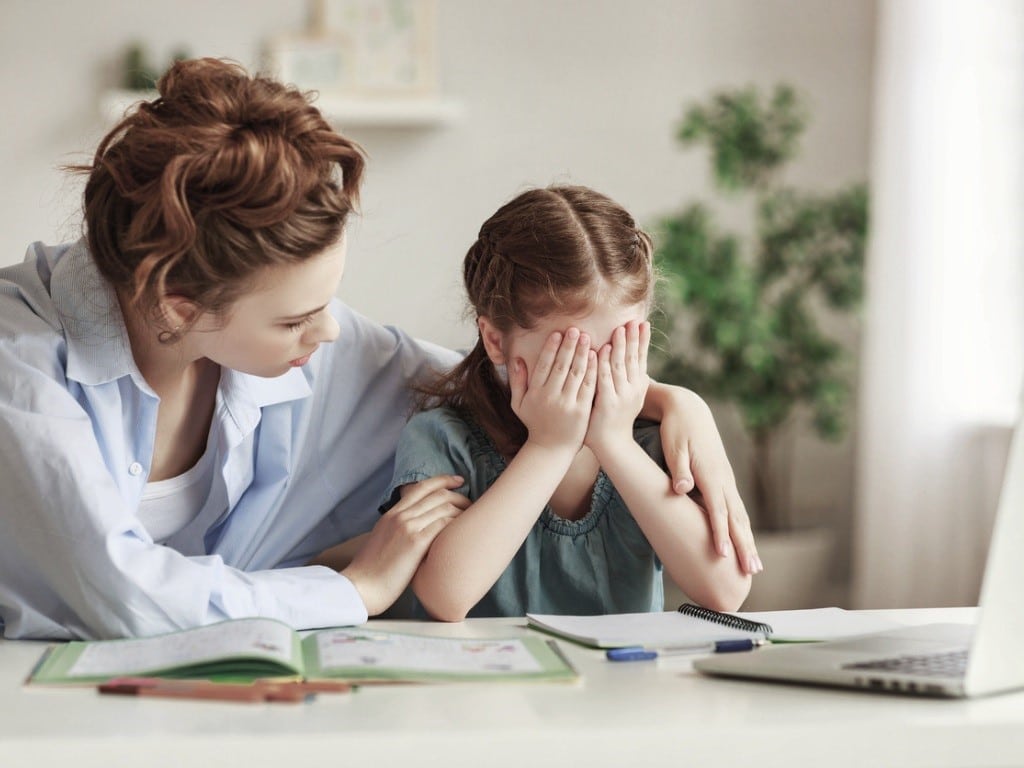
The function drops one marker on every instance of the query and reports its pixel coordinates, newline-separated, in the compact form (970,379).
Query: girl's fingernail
(725,549)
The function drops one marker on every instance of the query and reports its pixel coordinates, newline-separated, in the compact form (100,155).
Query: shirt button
(135,469)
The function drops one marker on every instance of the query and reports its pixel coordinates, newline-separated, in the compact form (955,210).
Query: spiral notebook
(688,624)
(693,625)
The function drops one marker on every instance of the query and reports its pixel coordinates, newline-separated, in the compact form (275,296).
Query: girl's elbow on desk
(446,613)
(731,596)
(727,603)
(440,607)
(722,594)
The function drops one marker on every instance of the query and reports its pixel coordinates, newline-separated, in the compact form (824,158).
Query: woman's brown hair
(220,176)
(561,249)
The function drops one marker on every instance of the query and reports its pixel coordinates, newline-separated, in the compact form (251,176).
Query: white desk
(625,714)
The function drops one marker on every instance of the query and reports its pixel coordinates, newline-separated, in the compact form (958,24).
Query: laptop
(952,660)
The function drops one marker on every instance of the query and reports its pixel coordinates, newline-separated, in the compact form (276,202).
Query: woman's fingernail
(760,565)
(725,549)
(682,486)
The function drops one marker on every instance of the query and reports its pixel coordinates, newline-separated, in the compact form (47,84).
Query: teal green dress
(601,563)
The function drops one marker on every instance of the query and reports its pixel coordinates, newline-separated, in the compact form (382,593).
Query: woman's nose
(325,330)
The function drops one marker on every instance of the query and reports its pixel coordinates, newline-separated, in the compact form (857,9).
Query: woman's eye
(299,324)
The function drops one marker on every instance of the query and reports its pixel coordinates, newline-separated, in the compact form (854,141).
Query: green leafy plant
(742,320)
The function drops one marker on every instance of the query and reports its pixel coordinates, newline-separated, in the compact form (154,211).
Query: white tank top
(169,505)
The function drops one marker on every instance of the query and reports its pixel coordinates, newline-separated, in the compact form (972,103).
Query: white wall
(553,90)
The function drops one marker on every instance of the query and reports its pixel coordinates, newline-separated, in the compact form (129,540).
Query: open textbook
(250,649)
(692,625)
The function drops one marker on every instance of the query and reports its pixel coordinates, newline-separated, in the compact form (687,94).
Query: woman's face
(280,323)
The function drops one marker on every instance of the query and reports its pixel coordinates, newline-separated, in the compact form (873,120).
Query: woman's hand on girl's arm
(696,460)
(392,551)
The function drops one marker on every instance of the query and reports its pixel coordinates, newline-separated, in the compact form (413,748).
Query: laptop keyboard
(951,664)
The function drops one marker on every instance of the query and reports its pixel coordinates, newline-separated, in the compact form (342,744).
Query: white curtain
(943,345)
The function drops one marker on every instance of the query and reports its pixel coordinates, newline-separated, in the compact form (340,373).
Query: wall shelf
(343,112)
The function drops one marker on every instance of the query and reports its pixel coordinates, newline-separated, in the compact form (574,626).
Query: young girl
(572,510)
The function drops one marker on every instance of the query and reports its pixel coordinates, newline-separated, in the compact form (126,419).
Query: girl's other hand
(622,384)
(555,400)
(393,550)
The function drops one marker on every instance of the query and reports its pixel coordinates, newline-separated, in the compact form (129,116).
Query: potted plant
(742,320)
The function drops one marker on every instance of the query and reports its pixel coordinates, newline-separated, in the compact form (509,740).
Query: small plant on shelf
(138,74)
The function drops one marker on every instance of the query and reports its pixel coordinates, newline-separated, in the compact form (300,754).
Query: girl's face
(281,322)
(526,344)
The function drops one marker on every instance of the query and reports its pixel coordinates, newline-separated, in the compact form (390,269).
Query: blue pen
(639,653)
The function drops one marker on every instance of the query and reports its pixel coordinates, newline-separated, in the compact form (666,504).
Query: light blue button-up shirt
(301,462)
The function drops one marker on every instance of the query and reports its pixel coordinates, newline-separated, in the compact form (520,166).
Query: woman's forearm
(662,398)
(656,401)
(340,555)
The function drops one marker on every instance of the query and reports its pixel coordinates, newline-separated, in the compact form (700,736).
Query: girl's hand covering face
(555,400)
(622,384)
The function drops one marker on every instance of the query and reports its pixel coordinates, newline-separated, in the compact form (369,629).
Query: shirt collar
(260,391)
(97,340)
(99,350)
(244,396)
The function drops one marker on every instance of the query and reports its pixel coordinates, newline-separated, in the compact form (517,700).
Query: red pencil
(292,691)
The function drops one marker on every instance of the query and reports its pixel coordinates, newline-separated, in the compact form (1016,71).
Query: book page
(358,648)
(253,637)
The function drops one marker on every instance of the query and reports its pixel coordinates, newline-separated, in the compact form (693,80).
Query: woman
(177,436)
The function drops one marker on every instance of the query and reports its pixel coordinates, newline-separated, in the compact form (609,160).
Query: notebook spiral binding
(725,619)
